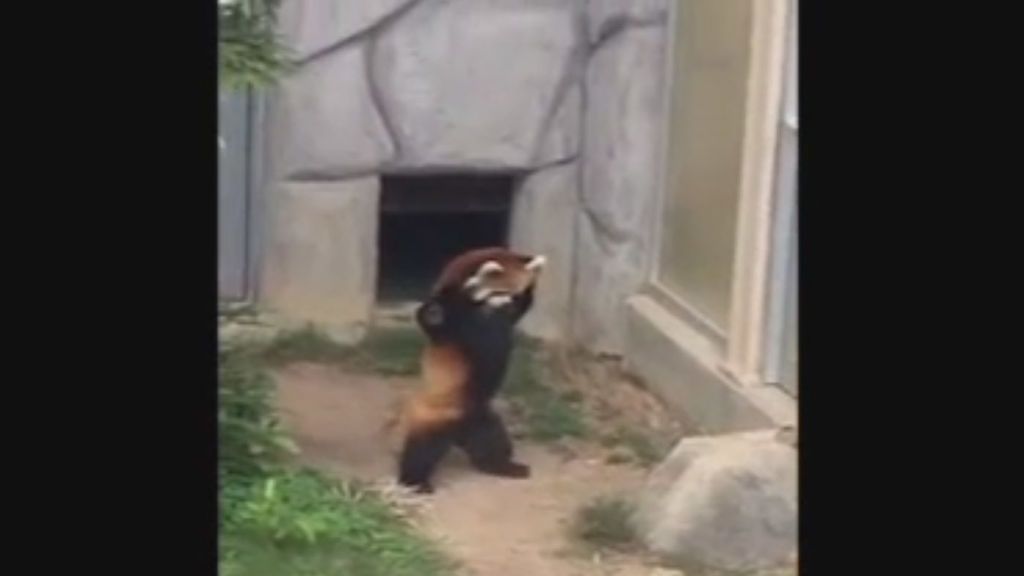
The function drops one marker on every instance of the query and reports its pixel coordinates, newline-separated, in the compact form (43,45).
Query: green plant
(605,523)
(393,350)
(618,458)
(301,522)
(555,419)
(639,444)
(306,344)
(230,311)
(250,53)
(251,441)
(549,414)
(275,520)
(291,508)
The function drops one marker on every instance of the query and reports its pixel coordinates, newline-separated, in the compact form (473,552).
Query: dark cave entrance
(427,219)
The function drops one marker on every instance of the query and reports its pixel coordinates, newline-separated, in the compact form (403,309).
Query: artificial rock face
(325,123)
(564,93)
(321,263)
(620,167)
(478,83)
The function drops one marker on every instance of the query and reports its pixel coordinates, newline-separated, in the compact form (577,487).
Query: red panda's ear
(536,263)
(485,269)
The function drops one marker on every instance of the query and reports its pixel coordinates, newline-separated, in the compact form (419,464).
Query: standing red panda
(469,319)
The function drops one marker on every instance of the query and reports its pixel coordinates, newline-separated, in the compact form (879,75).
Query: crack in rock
(615,25)
(378,100)
(340,44)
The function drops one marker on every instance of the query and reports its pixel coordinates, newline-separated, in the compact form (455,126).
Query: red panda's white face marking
(491,276)
(495,283)
(498,300)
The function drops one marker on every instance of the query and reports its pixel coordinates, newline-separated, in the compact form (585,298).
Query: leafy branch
(250,52)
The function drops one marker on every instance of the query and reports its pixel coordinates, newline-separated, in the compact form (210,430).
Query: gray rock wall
(476,84)
(563,92)
(321,258)
(325,123)
(542,223)
(623,118)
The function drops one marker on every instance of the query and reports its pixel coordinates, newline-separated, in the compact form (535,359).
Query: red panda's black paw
(516,470)
(424,488)
(417,487)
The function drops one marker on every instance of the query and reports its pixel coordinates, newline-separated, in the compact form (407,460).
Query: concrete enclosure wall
(564,93)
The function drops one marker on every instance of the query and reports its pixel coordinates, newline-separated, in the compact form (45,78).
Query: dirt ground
(492,526)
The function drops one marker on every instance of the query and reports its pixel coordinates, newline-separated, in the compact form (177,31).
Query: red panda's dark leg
(420,455)
(489,447)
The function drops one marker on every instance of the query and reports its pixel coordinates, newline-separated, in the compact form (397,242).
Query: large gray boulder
(621,155)
(476,83)
(728,503)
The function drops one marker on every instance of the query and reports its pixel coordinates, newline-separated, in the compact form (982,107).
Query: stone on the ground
(322,252)
(620,182)
(726,503)
(324,122)
(474,84)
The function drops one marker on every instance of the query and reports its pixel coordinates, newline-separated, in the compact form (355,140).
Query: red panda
(469,320)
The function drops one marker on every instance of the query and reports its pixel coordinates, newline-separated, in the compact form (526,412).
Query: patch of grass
(278,521)
(554,420)
(619,458)
(300,523)
(391,351)
(230,311)
(394,350)
(639,444)
(604,523)
(548,414)
(250,437)
(303,345)
(571,396)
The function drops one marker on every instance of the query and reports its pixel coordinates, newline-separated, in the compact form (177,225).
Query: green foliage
(549,415)
(250,437)
(303,345)
(555,420)
(250,53)
(605,523)
(278,521)
(394,350)
(390,351)
(299,522)
(640,445)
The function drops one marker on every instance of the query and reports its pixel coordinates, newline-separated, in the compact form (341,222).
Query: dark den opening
(426,220)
